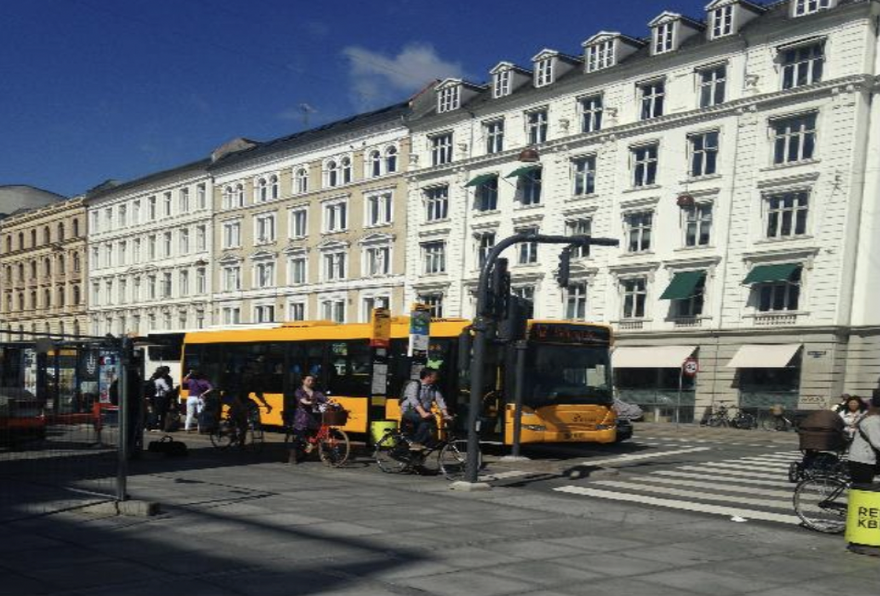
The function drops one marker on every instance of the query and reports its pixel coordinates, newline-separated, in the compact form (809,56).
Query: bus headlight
(535,427)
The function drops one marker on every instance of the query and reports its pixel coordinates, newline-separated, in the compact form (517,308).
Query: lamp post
(482,324)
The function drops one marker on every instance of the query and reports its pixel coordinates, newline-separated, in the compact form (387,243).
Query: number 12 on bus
(567,395)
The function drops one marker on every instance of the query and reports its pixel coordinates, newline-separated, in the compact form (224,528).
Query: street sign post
(689,367)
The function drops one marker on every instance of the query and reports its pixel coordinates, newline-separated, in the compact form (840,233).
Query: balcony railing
(775,320)
(631,325)
(687,322)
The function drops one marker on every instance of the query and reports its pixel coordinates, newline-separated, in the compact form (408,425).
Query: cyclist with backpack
(415,407)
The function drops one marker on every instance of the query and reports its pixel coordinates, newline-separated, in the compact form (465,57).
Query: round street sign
(690,367)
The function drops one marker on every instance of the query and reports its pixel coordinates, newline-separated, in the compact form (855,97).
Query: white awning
(652,357)
(763,356)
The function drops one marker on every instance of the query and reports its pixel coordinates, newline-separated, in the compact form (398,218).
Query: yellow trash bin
(863,515)
(378,428)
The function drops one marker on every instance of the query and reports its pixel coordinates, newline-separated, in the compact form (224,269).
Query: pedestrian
(841,403)
(306,417)
(852,413)
(864,453)
(163,387)
(236,395)
(198,386)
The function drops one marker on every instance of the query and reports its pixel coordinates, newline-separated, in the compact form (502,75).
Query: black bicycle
(448,454)
(721,417)
(820,501)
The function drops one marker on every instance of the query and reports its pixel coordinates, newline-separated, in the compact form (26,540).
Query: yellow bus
(567,394)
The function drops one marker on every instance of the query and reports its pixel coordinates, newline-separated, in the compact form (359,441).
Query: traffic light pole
(482,324)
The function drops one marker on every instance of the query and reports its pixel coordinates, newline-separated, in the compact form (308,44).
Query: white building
(735,159)
(149,252)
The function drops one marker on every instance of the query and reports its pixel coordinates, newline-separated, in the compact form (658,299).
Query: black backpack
(149,388)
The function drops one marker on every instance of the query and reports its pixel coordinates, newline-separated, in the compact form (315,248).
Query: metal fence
(62,446)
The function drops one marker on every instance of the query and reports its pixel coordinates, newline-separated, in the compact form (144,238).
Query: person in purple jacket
(197,385)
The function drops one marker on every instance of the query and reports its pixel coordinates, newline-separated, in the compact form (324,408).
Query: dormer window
(805,7)
(600,55)
(543,72)
(501,83)
(663,37)
(448,99)
(722,21)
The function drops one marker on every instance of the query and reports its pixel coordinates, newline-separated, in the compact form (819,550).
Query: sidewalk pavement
(234,524)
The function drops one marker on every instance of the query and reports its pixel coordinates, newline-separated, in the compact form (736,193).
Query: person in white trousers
(198,386)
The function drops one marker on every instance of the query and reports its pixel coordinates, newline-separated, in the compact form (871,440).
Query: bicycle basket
(335,417)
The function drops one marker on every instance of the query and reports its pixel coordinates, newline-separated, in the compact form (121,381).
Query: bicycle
(333,444)
(227,433)
(721,417)
(394,456)
(778,421)
(820,501)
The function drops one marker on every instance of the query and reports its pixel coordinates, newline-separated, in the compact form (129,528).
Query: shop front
(768,375)
(653,378)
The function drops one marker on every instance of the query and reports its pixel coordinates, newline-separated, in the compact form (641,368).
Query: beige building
(312,226)
(43,265)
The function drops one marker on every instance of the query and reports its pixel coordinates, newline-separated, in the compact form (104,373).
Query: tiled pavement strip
(235,526)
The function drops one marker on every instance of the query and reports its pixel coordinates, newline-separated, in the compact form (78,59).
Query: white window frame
(264,274)
(802,8)
(434,302)
(793,215)
(376,260)
(298,219)
(183,199)
(537,126)
(591,108)
(264,313)
(334,265)
(448,98)
(790,291)
(639,225)
(699,217)
(634,294)
(544,71)
(167,206)
(579,225)
(231,315)
(664,37)
(201,238)
(373,164)
(371,302)
(232,234)
(183,241)
(441,148)
(379,209)
(583,173)
(265,228)
(809,67)
(576,300)
(530,187)
(335,216)
(501,83)
(231,277)
(390,159)
(296,310)
(297,268)
(484,243)
(301,180)
(527,252)
(643,175)
(711,88)
(652,99)
(702,155)
(332,174)
(722,21)
(787,128)
(334,309)
(436,201)
(434,257)
(600,55)
(494,133)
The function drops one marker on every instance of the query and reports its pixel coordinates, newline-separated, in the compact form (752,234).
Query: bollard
(378,428)
(863,519)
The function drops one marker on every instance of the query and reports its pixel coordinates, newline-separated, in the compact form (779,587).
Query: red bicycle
(331,442)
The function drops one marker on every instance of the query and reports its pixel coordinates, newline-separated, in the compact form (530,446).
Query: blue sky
(98,89)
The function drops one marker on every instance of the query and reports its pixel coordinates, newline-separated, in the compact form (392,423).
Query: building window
(297,269)
(584,173)
(333,310)
(332,174)
(713,83)
(441,149)
(600,55)
(529,186)
(370,303)
(232,234)
(299,219)
(527,252)
(166,285)
(238,196)
(264,228)
(434,257)
(379,209)
(297,311)
(201,238)
(228,195)
(652,95)
(374,163)
(486,195)
(485,244)
(448,99)
(579,227)
(779,296)
(644,160)
(576,301)
(527,294)
(391,160)
(638,230)
(151,249)
(334,266)
(183,241)
(802,65)
(697,224)
(434,302)
(805,7)
(544,72)
(264,275)
(231,315)
(591,113)
(794,139)
(273,187)
(202,196)
(184,200)
(663,37)
(494,132)
(377,261)
(436,203)
(201,281)
(335,216)
(692,306)
(501,83)
(345,164)
(722,21)
(168,243)
(166,204)
(536,126)
(635,293)
(231,278)
(183,283)
(787,214)
(301,181)
(704,153)
(264,313)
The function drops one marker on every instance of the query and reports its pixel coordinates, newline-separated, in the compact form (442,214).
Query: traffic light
(564,271)
(499,290)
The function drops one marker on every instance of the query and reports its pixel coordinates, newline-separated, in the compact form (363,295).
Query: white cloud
(378,79)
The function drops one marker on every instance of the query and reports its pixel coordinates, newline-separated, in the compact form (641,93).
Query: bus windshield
(567,374)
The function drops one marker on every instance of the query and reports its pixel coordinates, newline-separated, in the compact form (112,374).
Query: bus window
(567,374)
(349,371)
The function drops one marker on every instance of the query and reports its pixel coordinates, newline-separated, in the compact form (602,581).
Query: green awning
(523,171)
(481,179)
(770,273)
(683,285)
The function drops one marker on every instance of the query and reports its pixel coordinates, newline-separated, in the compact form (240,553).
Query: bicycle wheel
(746,421)
(392,453)
(223,435)
(820,502)
(453,459)
(718,421)
(333,448)
(254,438)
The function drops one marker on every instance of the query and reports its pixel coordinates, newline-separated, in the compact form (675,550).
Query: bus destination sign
(562,333)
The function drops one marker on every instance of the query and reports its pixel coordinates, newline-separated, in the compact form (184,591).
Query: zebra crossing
(751,487)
